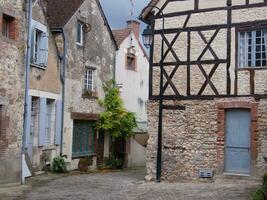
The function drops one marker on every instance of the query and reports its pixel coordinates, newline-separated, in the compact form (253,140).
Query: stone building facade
(90,63)
(215,66)
(13,45)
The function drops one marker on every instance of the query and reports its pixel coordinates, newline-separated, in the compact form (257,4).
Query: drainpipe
(27,80)
(62,78)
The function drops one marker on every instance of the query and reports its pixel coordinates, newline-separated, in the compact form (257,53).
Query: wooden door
(237,152)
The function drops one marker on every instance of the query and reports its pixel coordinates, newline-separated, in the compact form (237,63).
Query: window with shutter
(39,55)
(83,138)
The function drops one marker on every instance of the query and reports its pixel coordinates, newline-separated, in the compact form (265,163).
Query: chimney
(135,26)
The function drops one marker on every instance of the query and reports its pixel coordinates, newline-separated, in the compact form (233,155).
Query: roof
(121,34)
(59,12)
(145,12)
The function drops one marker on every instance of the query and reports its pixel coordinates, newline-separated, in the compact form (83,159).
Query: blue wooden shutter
(28,125)
(43,51)
(58,122)
(42,114)
(33,35)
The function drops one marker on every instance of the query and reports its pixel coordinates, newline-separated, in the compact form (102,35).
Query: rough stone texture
(98,51)
(127,185)
(193,139)
(11,92)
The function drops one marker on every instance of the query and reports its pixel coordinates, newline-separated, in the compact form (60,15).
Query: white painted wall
(134,83)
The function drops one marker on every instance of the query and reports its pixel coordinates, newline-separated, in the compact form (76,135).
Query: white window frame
(80,26)
(89,79)
(248,48)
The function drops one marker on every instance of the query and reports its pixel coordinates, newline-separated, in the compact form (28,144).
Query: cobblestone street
(128,185)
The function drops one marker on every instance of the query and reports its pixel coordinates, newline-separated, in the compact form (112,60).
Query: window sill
(81,155)
(38,66)
(79,44)
(250,68)
(90,95)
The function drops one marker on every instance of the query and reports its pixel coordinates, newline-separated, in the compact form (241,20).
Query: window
(131,61)
(83,138)
(252,50)
(49,122)
(39,44)
(34,115)
(89,79)
(79,38)
(9,28)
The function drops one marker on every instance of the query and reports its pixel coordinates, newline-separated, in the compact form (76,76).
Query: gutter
(62,78)
(27,83)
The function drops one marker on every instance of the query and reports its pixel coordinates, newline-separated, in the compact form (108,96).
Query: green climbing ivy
(116,119)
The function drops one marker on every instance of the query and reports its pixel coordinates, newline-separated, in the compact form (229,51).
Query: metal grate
(205,173)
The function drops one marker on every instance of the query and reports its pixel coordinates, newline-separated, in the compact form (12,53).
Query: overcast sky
(119,11)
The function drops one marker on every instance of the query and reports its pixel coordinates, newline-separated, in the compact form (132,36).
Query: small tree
(116,120)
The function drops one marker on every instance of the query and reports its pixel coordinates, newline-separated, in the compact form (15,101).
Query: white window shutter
(42,121)
(58,122)
(43,51)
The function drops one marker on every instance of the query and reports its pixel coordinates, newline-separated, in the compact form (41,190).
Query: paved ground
(125,185)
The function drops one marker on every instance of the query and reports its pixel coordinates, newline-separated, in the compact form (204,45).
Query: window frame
(132,56)
(50,122)
(249,27)
(9,26)
(86,150)
(86,81)
(43,41)
(80,26)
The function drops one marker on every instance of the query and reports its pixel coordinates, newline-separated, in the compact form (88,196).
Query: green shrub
(114,163)
(258,195)
(59,165)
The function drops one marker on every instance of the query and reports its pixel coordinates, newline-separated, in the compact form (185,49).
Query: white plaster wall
(134,83)
(137,157)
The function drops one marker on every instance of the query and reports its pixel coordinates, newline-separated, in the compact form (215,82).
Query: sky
(119,11)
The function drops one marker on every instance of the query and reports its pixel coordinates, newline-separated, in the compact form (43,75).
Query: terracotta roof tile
(120,35)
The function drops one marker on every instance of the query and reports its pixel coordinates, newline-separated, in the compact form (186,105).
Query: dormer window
(131,61)
(79,33)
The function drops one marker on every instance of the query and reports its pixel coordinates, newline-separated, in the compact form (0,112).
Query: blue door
(237,152)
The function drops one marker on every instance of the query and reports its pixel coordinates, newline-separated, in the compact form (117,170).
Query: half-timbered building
(208,87)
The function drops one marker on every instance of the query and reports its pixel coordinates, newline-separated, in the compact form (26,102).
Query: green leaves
(116,119)
(59,165)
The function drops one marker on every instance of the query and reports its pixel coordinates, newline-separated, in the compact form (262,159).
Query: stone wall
(12,91)
(98,52)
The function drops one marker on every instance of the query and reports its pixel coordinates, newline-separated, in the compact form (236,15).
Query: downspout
(62,78)
(27,83)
